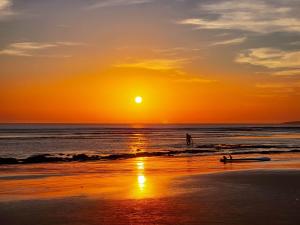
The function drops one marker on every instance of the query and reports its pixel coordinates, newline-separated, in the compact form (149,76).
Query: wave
(61,157)
(245,146)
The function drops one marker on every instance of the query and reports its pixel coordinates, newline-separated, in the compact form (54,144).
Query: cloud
(287,72)
(178,75)
(254,16)
(4,4)
(270,58)
(155,64)
(31,45)
(25,48)
(14,52)
(272,85)
(170,51)
(113,3)
(295,43)
(279,89)
(233,41)
(69,43)
(29,48)
(179,52)
(5,8)
(195,80)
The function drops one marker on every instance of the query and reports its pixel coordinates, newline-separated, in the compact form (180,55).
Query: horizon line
(188,123)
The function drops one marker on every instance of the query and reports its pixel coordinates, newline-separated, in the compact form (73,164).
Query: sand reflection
(141,181)
(140,165)
(138,178)
(141,189)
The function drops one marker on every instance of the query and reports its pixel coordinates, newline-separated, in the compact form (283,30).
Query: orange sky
(59,68)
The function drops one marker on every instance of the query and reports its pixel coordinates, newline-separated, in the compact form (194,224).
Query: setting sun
(138,99)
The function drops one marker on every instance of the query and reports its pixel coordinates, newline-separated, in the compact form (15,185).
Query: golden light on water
(140,165)
(141,181)
(141,178)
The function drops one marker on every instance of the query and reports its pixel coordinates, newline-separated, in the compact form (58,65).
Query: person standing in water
(188,139)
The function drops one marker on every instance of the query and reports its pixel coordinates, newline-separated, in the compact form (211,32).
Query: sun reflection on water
(138,142)
(142,188)
(141,181)
(140,165)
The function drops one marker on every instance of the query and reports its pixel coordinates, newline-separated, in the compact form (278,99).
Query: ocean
(21,141)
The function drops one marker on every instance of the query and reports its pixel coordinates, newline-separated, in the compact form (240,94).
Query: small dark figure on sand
(189,139)
(225,158)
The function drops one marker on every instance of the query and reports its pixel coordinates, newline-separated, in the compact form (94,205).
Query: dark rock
(295,150)
(42,158)
(84,157)
(119,156)
(80,157)
(95,157)
(8,161)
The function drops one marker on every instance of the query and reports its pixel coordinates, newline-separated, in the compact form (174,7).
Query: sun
(138,99)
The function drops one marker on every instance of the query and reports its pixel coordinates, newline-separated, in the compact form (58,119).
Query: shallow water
(215,200)
(136,178)
(25,140)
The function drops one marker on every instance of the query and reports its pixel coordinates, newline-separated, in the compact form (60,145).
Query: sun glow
(138,99)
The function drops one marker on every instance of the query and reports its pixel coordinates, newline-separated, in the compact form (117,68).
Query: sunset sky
(192,61)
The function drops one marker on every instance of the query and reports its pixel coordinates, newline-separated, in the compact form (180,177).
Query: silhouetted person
(224,158)
(189,139)
(230,156)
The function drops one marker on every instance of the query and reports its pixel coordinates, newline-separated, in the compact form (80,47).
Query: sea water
(23,140)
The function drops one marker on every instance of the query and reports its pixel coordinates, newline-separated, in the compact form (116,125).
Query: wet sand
(179,190)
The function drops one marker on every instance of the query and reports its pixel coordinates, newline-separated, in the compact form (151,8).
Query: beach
(149,112)
(154,190)
(111,175)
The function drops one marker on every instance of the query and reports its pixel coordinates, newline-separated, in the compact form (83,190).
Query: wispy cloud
(69,43)
(113,3)
(24,48)
(279,89)
(29,48)
(175,66)
(14,52)
(281,63)
(287,72)
(270,58)
(295,43)
(190,53)
(31,45)
(155,64)
(255,16)
(170,51)
(5,8)
(195,80)
(233,41)
(4,4)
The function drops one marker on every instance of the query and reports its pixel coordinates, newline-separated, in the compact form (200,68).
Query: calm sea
(25,140)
